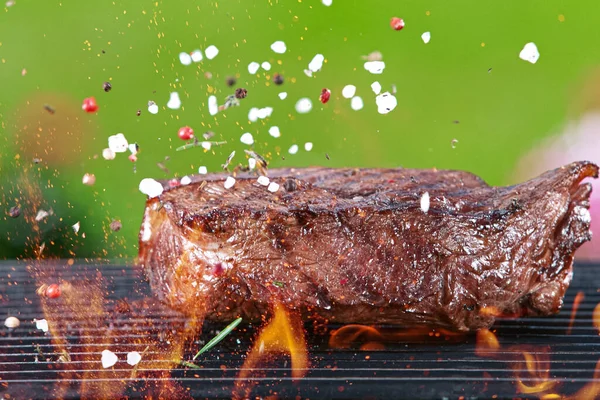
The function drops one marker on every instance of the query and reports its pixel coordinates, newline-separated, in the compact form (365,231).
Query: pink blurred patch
(579,141)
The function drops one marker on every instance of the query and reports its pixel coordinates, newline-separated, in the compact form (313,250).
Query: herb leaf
(214,341)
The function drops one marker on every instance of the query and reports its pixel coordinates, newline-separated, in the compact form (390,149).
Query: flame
(578,299)
(284,334)
(486,344)
(538,368)
(348,335)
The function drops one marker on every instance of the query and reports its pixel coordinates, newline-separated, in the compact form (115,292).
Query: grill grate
(427,369)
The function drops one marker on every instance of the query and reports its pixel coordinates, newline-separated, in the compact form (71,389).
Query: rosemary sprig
(198,144)
(187,364)
(214,341)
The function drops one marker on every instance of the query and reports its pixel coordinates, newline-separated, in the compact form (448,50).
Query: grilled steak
(364,246)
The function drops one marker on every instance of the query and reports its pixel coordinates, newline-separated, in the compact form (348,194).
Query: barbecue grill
(34,364)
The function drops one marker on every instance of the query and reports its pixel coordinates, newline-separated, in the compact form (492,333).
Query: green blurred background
(59,52)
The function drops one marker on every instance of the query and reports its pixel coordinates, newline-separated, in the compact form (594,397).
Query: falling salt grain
(206,145)
(376,87)
(186,180)
(357,103)
(375,67)
(263,180)
(453,143)
(293,149)
(133,148)
(282,95)
(530,53)
(108,359)
(316,63)
(196,56)
(202,170)
(327,2)
(273,187)
(152,107)
(174,101)
(386,103)
(41,214)
(253,67)
(279,47)
(12,322)
(133,358)
(229,182)
(349,91)
(308,73)
(88,179)
(308,146)
(108,154)
(76,227)
(41,324)
(213,106)
(303,105)
(251,163)
(247,138)
(185,58)
(426,36)
(118,143)
(274,131)
(266,66)
(425,202)
(211,52)
(150,187)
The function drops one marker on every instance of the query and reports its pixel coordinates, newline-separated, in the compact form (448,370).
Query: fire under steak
(367,246)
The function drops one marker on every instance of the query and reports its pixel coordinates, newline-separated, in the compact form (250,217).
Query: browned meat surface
(354,245)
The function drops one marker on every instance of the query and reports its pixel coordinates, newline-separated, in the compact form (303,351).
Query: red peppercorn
(89,105)
(397,23)
(185,133)
(325,95)
(53,291)
(173,183)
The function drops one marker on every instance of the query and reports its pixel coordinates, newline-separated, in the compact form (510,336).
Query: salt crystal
(375,67)
(279,47)
(327,2)
(266,66)
(88,179)
(263,180)
(185,58)
(282,95)
(12,322)
(273,187)
(76,227)
(253,67)
(308,73)
(253,114)
(133,148)
(530,53)
(247,138)
(150,187)
(349,91)
(265,112)
(426,37)
(213,106)
(303,105)
(202,170)
(293,149)
(206,145)
(229,182)
(186,180)
(108,154)
(308,146)
(108,359)
(251,163)
(316,63)
(357,103)
(196,56)
(41,214)
(118,143)
(376,86)
(425,202)
(133,357)
(453,143)
(386,102)
(152,107)
(41,324)
(174,101)
(211,52)
(274,131)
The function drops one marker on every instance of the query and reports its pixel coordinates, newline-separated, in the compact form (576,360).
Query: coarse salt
(196,56)
(133,358)
(376,87)
(118,143)
(152,107)
(108,359)
(293,149)
(308,146)
(150,187)
(202,170)
(375,67)
(282,95)
(274,131)
(530,53)
(76,227)
(247,138)
(349,91)
(425,202)
(308,73)
(211,52)
(357,103)
(386,102)
(229,182)
(12,322)
(266,66)
(251,163)
(185,58)
(316,63)
(133,148)
(41,324)
(88,179)
(303,105)
(426,36)
(279,47)
(186,180)
(263,180)
(327,2)
(213,106)
(174,101)
(206,145)
(108,154)
(273,187)
(253,67)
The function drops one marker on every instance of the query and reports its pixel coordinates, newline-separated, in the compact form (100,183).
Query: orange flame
(538,368)
(487,343)
(284,334)
(348,335)
(578,299)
